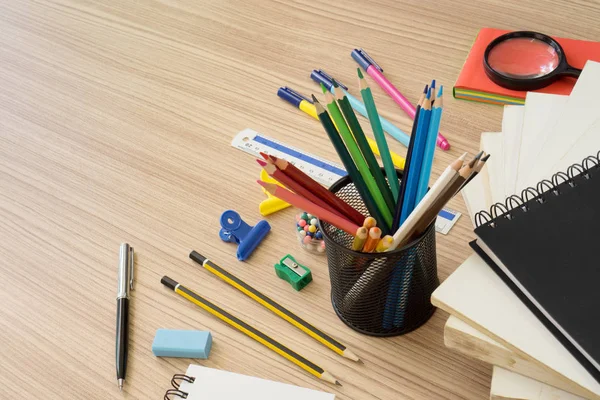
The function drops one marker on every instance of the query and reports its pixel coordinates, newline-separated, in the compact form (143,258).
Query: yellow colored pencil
(249,330)
(274,307)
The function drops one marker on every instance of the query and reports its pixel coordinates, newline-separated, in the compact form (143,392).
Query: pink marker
(375,71)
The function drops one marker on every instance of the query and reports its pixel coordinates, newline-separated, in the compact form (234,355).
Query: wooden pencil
(310,207)
(445,196)
(346,159)
(360,238)
(296,187)
(297,175)
(478,167)
(249,330)
(348,139)
(372,240)
(390,170)
(363,145)
(411,145)
(384,243)
(401,235)
(370,222)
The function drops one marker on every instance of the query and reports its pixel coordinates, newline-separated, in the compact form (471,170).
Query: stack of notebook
(528,300)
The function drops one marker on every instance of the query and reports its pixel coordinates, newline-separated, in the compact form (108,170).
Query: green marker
(291,271)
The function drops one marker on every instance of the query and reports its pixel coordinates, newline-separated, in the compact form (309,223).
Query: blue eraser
(182,343)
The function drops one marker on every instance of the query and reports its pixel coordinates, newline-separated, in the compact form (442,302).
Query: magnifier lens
(523,58)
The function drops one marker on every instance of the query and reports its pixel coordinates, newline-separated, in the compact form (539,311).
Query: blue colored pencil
(416,161)
(411,146)
(434,126)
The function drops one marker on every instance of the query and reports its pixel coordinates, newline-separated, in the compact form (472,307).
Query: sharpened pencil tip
(360,361)
(323,88)
(261,163)
(486,157)
(360,74)
(428,94)
(441,91)
(426,89)
(335,84)
(338,383)
(315,100)
(264,155)
(462,158)
(433,84)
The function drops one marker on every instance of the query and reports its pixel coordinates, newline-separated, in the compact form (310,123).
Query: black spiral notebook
(545,244)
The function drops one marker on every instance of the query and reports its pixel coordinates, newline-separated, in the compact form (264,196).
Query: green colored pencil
(384,150)
(357,156)
(346,159)
(361,140)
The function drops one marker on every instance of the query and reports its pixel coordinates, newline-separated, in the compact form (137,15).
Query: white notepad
(214,384)
(478,296)
(578,116)
(491,143)
(512,125)
(510,385)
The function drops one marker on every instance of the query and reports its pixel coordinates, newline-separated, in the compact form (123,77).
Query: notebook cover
(551,249)
(473,83)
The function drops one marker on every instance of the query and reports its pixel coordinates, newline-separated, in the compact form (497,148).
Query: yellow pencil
(276,308)
(249,330)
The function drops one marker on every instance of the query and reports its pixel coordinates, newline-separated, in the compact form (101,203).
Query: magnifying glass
(526,61)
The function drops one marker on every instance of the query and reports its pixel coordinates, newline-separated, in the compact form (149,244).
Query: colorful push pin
(235,230)
(272,204)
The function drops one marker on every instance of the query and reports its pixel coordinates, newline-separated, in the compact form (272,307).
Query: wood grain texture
(113,118)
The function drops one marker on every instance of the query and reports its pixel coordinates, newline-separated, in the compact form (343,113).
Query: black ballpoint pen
(124,285)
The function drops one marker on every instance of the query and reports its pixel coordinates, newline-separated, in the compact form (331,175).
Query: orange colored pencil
(372,240)
(310,207)
(309,183)
(296,187)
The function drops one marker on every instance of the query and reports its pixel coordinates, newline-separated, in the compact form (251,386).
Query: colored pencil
(388,165)
(273,306)
(478,167)
(369,222)
(429,152)
(400,236)
(357,157)
(384,244)
(346,159)
(249,330)
(296,187)
(444,197)
(363,145)
(360,238)
(310,207)
(372,240)
(411,146)
(297,175)
(416,162)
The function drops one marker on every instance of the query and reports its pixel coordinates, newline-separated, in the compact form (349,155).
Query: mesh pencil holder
(379,294)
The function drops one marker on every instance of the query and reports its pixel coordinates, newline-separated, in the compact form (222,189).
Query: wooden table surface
(115,126)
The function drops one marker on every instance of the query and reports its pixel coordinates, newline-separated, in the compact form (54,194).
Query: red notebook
(473,84)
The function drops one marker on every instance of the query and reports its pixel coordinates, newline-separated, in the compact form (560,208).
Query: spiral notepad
(201,383)
(544,245)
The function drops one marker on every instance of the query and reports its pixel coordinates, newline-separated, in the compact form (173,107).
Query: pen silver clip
(370,59)
(131,269)
(331,79)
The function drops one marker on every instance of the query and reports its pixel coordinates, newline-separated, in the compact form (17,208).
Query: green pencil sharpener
(291,271)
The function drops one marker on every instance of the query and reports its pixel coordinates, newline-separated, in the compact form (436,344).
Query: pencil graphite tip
(314,99)
(261,163)
(323,88)
(484,159)
(433,84)
(478,156)
(429,93)
(335,84)
(360,74)
(441,91)
(338,383)
(264,155)
(426,89)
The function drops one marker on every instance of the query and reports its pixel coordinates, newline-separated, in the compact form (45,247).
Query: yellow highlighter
(308,107)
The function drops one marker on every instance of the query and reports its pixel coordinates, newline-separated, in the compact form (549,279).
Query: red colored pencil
(309,183)
(310,207)
(296,187)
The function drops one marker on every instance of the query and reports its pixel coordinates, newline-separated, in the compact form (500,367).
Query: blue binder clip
(235,230)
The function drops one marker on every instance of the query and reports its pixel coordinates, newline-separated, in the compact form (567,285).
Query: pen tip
(360,74)
(120,383)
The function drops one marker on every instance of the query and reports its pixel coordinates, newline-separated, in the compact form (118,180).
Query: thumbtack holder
(235,230)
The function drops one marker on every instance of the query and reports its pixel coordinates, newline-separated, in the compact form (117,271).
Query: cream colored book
(475,294)
(463,338)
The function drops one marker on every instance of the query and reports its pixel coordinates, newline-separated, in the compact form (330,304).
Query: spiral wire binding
(540,193)
(175,383)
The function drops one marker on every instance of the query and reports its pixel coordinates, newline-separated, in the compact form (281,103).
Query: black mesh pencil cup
(379,294)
